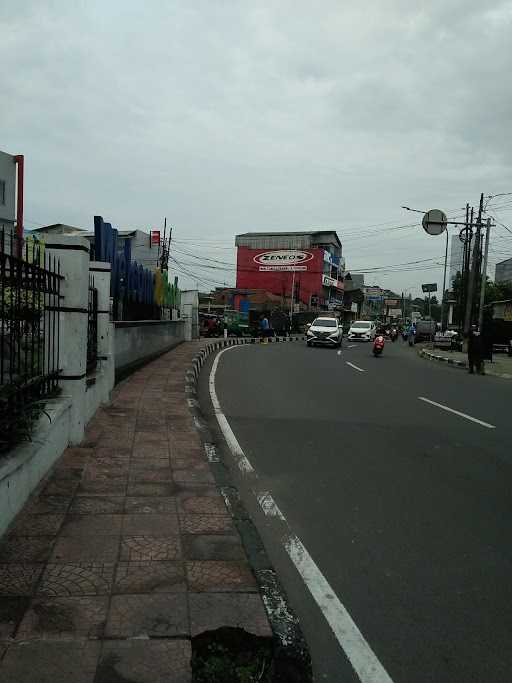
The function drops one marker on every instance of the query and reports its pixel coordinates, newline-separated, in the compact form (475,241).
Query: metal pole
(444,282)
(484,276)
(472,275)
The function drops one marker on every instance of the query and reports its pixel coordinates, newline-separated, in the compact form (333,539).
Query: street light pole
(444,282)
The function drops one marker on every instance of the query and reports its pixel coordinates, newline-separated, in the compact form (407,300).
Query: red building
(308,263)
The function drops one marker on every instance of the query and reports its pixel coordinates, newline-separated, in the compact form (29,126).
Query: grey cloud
(231,116)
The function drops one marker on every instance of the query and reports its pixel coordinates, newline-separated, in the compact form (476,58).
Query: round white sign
(434,222)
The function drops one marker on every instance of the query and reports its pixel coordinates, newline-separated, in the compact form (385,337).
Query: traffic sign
(434,222)
(432,287)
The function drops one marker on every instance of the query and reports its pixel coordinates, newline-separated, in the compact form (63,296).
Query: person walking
(264,328)
(475,351)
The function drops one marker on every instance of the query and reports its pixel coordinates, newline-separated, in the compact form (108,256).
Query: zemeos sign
(283,259)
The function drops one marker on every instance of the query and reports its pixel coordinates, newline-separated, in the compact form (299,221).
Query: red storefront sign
(155,238)
(274,270)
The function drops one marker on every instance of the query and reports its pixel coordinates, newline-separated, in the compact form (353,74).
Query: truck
(425,330)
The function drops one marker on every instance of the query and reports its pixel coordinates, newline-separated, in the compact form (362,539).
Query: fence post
(100,270)
(73,254)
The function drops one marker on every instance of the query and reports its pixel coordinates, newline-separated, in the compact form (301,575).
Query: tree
(497,291)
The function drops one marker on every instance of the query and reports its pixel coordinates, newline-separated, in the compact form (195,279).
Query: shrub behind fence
(29,334)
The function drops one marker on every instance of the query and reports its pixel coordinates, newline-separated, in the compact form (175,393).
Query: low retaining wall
(24,467)
(138,342)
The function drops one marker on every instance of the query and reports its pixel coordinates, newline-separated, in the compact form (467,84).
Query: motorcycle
(378,345)
(394,334)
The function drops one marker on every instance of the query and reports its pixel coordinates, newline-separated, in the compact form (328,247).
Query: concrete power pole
(474,268)
(484,276)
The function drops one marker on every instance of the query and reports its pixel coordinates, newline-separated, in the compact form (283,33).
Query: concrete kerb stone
(443,359)
(291,658)
(462,364)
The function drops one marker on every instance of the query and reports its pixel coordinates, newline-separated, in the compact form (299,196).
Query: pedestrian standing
(475,351)
(264,328)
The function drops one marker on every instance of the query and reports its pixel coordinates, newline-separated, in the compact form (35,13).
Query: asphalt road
(404,507)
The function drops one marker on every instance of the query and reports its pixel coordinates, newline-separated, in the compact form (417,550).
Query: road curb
(462,364)
(291,658)
(443,359)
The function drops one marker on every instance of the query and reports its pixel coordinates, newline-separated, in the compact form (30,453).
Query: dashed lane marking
(355,367)
(457,412)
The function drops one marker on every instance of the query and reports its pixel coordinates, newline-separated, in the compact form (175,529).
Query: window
(325,322)
(2,192)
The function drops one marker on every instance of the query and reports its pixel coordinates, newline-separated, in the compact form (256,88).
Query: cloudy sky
(231,116)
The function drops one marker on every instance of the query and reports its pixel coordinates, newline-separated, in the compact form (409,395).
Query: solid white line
(355,366)
(358,651)
(241,459)
(456,412)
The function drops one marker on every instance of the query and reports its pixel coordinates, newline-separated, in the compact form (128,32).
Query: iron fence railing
(92,328)
(30,282)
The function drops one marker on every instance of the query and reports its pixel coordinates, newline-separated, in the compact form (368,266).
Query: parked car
(325,331)
(362,330)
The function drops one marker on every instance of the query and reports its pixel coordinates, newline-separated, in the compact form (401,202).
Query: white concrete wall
(22,470)
(138,342)
(190,313)
(8,174)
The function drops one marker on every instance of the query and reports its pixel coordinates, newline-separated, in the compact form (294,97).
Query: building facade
(456,257)
(304,267)
(141,248)
(503,272)
(7,189)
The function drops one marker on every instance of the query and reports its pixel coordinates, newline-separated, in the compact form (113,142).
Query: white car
(362,330)
(325,331)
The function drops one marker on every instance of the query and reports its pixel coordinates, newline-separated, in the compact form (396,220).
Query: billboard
(274,270)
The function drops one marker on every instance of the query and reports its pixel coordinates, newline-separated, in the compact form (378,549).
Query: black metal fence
(92,328)
(29,334)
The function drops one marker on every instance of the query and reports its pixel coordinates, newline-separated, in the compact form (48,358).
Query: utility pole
(484,276)
(292,300)
(163,258)
(444,282)
(474,268)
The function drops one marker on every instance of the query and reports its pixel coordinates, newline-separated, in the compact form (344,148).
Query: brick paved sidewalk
(126,551)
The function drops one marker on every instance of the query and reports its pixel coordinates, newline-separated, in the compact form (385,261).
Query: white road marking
(355,367)
(352,346)
(269,505)
(358,651)
(211,452)
(457,412)
(235,448)
(339,352)
(354,644)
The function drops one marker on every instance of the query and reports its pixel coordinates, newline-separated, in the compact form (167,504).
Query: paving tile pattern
(125,550)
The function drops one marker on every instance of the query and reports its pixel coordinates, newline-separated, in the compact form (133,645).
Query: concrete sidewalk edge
(462,364)
(292,661)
